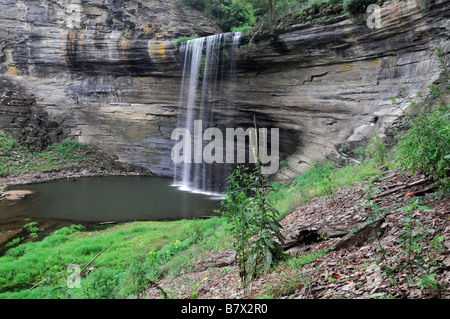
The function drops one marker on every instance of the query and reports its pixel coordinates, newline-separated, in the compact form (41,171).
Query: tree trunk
(270,10)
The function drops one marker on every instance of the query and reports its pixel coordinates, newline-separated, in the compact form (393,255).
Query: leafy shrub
(377,149)
(14,242)
(356,7)
(236,14)
(32,227)
(418,258)
(425,5)
(68,231)
(6,144)
(183,39)
(135,279)
(252,222)
(16,252)
(319,176)
(360,153)
(242,29)
(102,284)
(196,231)
(284,163)
(194,4)
(209,8)
(425,146)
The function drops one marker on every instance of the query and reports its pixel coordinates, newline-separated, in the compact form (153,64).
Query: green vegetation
(422,148)
(123,261)
(252,222)
(356,7)
(228,13)
(238,15)
(138,255)
(322,179)
(412,242)
(7,145)
(292,276)
(266,16)
(420,253)
(32,229)
(425,147)
(243,29)
(179,40)
(15,158)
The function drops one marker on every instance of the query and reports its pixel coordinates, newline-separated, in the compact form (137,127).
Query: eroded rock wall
(110,74)
(331,82)
(106,70)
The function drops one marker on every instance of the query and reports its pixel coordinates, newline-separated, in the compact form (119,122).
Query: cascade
(209,71)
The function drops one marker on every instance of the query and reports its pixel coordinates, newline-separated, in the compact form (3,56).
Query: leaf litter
(356,270)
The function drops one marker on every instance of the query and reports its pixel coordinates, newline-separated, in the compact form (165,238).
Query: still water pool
(108,199)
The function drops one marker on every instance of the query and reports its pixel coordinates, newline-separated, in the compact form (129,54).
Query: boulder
(16,194)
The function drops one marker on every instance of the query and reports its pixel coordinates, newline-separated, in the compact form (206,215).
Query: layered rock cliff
(331,82)
(109,72)
(106,70)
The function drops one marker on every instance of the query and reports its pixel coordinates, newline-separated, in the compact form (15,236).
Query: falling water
(206,63)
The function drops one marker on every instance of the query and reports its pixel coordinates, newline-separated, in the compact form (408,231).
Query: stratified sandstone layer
(110,73)
(332,82)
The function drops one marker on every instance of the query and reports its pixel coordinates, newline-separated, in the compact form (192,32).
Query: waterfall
(207,63)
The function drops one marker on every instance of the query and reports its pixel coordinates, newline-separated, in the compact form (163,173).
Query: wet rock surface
(332,82)
(110,75)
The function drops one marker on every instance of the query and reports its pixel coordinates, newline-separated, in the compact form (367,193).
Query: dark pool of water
(108,199)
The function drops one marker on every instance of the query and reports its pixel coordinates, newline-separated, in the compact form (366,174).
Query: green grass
(156,245)
(143,252)
(322,179)
(151,248)
(297,263)
(15,158)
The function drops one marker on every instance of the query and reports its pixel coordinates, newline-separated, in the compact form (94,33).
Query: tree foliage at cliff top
(233,15)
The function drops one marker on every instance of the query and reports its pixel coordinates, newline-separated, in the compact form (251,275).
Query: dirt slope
(350,270)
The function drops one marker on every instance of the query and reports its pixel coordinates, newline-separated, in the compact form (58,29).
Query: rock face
(27,123)
(110,74)
(106,70)
(331,82)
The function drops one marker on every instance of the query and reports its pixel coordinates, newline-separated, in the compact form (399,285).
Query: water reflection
(103,199)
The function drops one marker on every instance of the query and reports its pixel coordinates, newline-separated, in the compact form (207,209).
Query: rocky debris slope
(350,268)
(25,121)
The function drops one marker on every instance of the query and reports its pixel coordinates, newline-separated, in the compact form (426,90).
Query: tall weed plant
(252,221)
